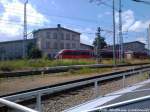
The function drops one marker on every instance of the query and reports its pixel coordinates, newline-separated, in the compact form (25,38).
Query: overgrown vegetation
(87,70)
(33,52)
(45,62)
(35,63)
(135,61)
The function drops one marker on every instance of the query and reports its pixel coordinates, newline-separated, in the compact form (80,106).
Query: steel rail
(57,69)
(51,90)
(65,86)
(73,84)
(120,104)
(134,91)
(16,106)
(81,80)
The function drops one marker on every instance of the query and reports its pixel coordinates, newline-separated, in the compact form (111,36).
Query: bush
(6,68)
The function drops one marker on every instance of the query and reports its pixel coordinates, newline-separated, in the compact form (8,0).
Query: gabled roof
(134,42)
(56,29)
(14,41)
(86,45)
(128,43)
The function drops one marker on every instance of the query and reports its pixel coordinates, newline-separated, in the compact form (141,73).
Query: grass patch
(87,70)
(36,63)
(137,61)
(30,64)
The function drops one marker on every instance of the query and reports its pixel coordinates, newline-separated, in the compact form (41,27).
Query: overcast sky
(78,15)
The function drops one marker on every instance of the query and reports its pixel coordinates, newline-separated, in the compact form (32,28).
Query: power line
(59,16)
(89,33)
(15,21)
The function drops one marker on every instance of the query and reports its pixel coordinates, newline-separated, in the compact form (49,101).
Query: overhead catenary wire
(33,23)
(73,18)
(58,16)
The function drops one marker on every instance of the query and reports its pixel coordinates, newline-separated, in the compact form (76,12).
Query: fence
(38,93)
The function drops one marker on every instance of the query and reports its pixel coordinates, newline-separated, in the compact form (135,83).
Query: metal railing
(120,105)
(38,93)
(16,106)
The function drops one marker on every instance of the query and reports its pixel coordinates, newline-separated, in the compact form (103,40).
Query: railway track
(48,70)
(76,84)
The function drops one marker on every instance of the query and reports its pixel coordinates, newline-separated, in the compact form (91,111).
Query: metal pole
(124,78)
(120,32)
(25,30)
(148,38)
(38,102)
(98,46)
(96,88)
(114,35)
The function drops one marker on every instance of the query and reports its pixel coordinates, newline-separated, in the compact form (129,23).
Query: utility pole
(121,50)
(98,45)
(148,39)
(25,30)
(114,35)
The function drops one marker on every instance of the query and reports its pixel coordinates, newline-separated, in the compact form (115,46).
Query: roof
(127,43)
(134,42)
(56,29)
(86,45)
(14,41)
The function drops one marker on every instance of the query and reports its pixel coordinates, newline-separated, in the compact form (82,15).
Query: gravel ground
(60,102)
(65,101)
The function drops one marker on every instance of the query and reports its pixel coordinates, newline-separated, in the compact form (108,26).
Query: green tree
(33,51)
(99,43)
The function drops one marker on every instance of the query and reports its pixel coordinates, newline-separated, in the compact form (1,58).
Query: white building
(52,40)
(12,49)
(48,40)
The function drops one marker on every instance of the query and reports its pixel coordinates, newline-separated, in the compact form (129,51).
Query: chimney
(58,25)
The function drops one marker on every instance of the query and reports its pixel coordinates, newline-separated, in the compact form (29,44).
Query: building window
(55,35)
(77,38)
(73,45)
(55,45)
(73,36)
(47,46)
(62,45)
(43,34)
(62,36)
(68,45)
(2,50)
(67,36)
(48,35)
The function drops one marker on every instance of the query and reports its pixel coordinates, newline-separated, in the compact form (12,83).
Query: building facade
(48,40)
(52,40)
(134,46)
(86,47)
(13,49)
